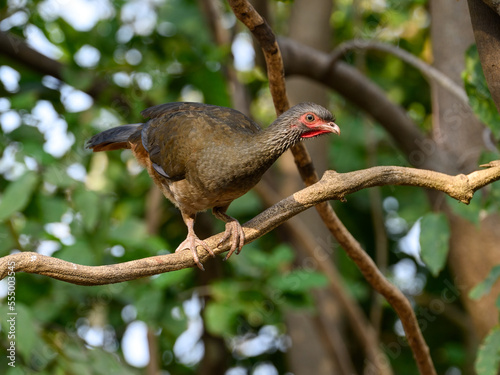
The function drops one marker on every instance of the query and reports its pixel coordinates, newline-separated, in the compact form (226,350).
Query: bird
(204,156)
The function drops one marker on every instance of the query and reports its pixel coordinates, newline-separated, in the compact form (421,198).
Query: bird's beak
(331,127)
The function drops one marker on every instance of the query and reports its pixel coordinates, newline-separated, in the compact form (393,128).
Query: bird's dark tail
(112,139)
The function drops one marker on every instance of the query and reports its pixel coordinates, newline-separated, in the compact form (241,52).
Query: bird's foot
(191,242)
(237,235)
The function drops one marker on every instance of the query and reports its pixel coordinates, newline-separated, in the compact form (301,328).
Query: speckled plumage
(204,156)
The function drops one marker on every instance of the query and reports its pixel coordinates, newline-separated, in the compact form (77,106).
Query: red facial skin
(317,125)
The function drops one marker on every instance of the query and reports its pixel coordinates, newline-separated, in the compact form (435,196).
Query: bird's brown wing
(177,133)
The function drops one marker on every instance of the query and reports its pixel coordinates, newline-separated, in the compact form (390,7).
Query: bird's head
(311,120)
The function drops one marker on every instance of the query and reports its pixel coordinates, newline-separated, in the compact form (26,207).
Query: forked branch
(332,186)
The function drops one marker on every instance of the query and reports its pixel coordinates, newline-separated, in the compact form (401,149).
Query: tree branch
(332,186)
(247,14)
(426,69)
(17,49)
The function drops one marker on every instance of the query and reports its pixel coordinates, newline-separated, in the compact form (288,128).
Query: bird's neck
(270,143)
(255,153)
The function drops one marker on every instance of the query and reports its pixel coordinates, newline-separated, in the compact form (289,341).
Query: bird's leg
(192,241)
(233,231)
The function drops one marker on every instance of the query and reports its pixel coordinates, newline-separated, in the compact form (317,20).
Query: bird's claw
(191,243)
(237,235)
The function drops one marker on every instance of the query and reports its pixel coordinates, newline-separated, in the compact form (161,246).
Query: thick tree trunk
(473,250)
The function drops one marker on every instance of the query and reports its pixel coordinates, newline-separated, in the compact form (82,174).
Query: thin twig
(375,194)
(247,14)
(333,344)
(378,221)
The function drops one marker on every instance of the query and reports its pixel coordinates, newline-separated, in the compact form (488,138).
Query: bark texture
(486,26)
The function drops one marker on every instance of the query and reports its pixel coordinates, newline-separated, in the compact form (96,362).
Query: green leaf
(149,304)
(469,211)
(221,318)
(75,77)
(51,208)
(24,99)
(168,279)
(477,90)
(80,253)
(6,241)
(105,363)
(17,195)
(298,281)
(87,203)
(281,255)
(246,204)
(485,286)
(434,241)
(15,371)
(488,355)
(131,232)
(56,176)
(221,289)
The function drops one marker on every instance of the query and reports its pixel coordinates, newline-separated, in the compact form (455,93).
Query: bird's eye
(310,117)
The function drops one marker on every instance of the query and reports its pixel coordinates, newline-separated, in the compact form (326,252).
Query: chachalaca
(204,156)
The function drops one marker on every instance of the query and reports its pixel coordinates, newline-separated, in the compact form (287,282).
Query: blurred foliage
(488,357)
(434,239)
(485,286)
(99,216)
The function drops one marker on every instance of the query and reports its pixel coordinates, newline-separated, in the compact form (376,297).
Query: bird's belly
(192,199)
